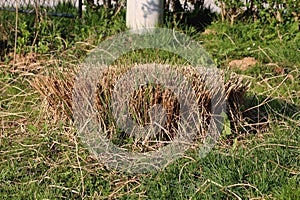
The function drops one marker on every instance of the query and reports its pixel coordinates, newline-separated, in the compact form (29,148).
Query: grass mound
(58,89)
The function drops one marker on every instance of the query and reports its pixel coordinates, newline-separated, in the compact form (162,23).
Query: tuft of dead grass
(57,89)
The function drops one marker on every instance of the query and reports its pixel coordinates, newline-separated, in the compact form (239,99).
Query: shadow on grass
(259,110)
(196,19)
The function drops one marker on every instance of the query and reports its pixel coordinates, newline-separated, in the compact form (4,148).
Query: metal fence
(61,8)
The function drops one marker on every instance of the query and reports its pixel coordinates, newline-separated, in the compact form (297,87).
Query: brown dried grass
(57,89)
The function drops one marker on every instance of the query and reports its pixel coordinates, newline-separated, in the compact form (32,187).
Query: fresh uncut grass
(41,156)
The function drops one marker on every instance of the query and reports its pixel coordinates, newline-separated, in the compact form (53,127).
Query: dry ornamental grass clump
(58,92)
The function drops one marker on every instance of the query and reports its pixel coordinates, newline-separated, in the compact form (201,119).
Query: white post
(144,14)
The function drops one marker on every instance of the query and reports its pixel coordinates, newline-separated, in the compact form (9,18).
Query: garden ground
(42,157)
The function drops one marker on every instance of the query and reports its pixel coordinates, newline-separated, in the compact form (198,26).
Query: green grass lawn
(41,156)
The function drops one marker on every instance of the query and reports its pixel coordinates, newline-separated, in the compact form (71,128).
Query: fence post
(80,8)
(144,14)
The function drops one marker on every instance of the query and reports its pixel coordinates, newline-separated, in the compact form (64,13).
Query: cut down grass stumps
(57,88)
